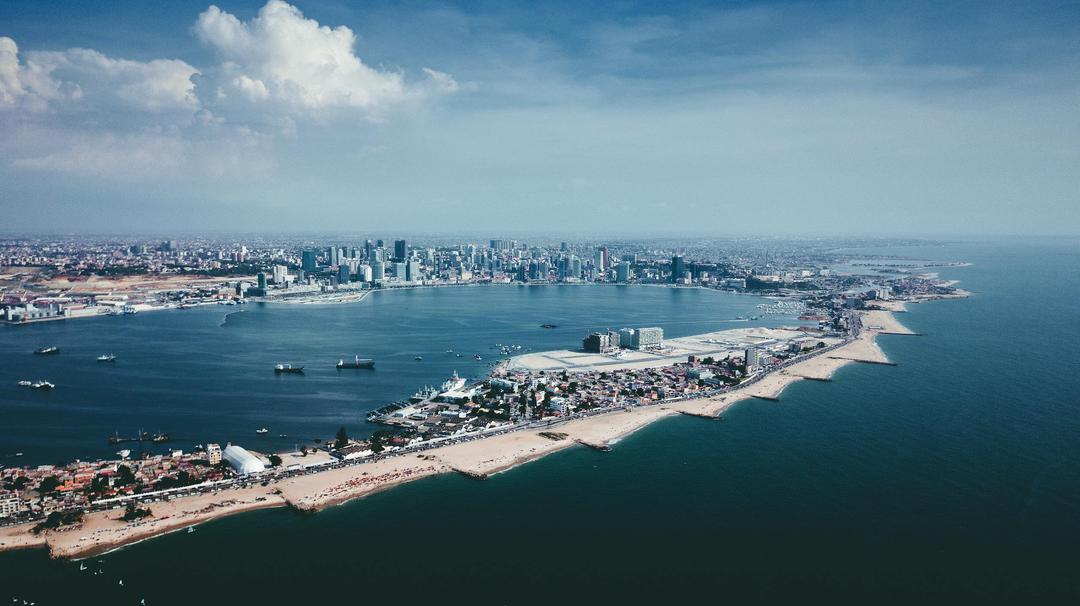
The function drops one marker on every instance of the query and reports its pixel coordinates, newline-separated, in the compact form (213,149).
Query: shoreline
(101,532)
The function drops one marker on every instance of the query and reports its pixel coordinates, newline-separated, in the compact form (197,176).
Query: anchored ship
(356,362)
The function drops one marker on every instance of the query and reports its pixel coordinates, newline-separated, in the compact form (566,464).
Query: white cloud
(47,77)
(157,85)
(280,55)
(29,86)
(204,150)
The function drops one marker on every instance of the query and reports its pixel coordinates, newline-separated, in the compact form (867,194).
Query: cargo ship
(288,368)
(356,362)
(142,436)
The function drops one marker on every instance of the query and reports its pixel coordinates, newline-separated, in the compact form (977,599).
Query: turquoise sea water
(953,477)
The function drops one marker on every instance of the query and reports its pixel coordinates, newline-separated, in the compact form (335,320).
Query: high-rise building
(378,270)
(648,338)
(364,273)
(262,280)
(308,261)
(751,356)
(399,271)
(213,454)
(678,268)
(401,251)
(281,274)
(335,255)
(343,274)
(412,271)
(622,272)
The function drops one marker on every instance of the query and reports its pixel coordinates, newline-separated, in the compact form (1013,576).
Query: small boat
(288,368)
(82,566)
(419,358)
(106,358)
(283,435)
(160,437)
(478,358)
(549,326)
(190,529)
(25,383)
(42,384)
(262,430)
(44,351)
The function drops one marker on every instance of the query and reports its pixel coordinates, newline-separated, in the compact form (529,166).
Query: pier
(594,446)
(769,398)
(701,415)
(472,475)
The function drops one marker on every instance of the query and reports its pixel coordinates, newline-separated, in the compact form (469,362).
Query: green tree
(48,485)
(341,440)
(124,475)
(275,461)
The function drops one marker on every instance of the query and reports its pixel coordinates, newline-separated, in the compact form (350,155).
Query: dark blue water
(206,374)
(951,478)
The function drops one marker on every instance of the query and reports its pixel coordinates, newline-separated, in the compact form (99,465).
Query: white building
(280,274)
(242,461)
(213,453)
(9,505)
(364,272)
(649,338)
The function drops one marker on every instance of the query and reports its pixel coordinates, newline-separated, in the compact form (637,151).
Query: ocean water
(206,374)
(953,477)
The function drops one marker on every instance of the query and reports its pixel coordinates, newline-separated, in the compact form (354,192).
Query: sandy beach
(103,531)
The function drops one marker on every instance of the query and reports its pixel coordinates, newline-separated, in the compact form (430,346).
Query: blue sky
(621,118)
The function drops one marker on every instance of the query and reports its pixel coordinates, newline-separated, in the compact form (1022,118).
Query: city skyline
(644,118)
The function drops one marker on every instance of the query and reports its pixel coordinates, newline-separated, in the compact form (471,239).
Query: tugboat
(356,362)
(288,368)
(106,358)
(44,351)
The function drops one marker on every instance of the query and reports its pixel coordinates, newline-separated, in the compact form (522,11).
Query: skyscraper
(412,271)
(400,250)
(308,261)
(677,268)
